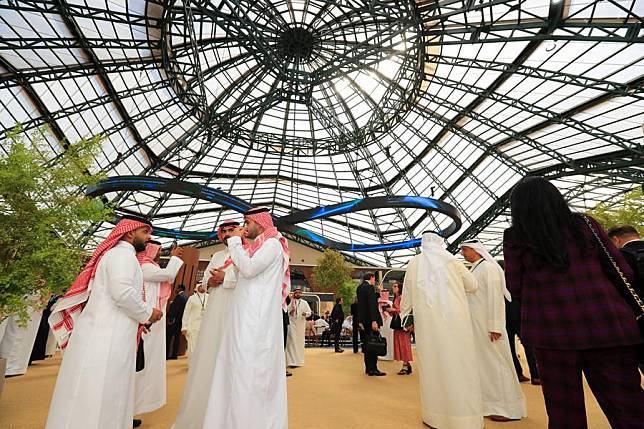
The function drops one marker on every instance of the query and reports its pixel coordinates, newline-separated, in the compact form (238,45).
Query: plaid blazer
(577,308)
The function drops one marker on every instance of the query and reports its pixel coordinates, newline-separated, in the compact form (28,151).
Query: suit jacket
(175,312)
(337,317)
(367,305)
(354,313)
(630,252)
(576,308)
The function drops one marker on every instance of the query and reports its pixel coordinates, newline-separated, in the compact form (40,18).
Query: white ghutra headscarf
(432,274)
(479,248)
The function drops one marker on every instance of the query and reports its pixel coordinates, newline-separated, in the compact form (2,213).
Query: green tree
(627,210)
(348,294)
(331,272)
(43,213)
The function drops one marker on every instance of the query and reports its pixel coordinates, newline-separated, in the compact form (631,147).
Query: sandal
(403,371)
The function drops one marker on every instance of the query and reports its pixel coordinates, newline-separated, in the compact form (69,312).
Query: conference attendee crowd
(568,289)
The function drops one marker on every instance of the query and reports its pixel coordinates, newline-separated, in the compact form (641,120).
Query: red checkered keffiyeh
(148,257)
(265,220)
(220,230)
(68,307)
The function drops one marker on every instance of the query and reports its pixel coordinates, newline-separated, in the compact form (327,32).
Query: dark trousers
(173,338)
(325,337)
(612,375)
(370,359)
(285,323)
(513,328)
(336,337)
(355,337)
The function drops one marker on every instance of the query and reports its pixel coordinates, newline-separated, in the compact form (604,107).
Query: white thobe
(202,363)
(150,384)
(51,346)
(321,325)
(502,394)
(192,316)
(95,385)
(450,391)
(296,331)
(18,341)
(249,383)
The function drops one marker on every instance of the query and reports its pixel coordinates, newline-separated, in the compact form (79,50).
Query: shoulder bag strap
(629,287)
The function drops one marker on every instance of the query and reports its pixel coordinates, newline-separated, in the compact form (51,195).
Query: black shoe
(136,423)
(339,351)
(377,373)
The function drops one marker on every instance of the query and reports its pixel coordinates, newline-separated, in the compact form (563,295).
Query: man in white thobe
(150,383)
(434,289)
(96,322)
(220,285)
(320,325)
(298,311)
(192,316)
(17,341)
(503,398)
(249,383)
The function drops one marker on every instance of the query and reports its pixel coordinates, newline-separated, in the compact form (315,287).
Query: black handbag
(375,344)
(140,357)
(396,323)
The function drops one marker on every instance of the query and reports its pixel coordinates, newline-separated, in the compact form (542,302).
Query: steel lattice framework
(303,103)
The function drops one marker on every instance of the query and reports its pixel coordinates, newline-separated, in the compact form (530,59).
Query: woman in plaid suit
(572,312)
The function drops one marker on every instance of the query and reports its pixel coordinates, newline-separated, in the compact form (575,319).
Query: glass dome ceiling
(302,103)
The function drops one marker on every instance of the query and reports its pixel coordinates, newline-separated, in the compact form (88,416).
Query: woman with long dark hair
(572,312)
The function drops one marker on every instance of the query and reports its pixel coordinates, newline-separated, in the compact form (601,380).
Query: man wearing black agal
(369,319)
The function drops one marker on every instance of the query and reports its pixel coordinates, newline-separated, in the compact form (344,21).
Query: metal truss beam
(57,73)
(45,114)
(90,104)
(635,83)
(82,11)
(634,149)
(581,30)
(550,116)
(15,43)
(603,163)
(556,14)
(76,31)
(618,89)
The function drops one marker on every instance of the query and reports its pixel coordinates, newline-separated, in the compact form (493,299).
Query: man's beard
(139,246)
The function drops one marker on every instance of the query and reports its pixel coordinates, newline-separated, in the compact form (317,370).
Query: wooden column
(188,273)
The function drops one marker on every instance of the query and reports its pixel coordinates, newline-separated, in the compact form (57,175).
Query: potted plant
(43,214)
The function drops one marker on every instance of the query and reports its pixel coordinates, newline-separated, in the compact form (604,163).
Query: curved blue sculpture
(284,223)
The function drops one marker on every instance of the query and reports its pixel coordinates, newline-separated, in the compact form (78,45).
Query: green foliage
(348,294)
(628,210)
(331,272)
(43,213)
